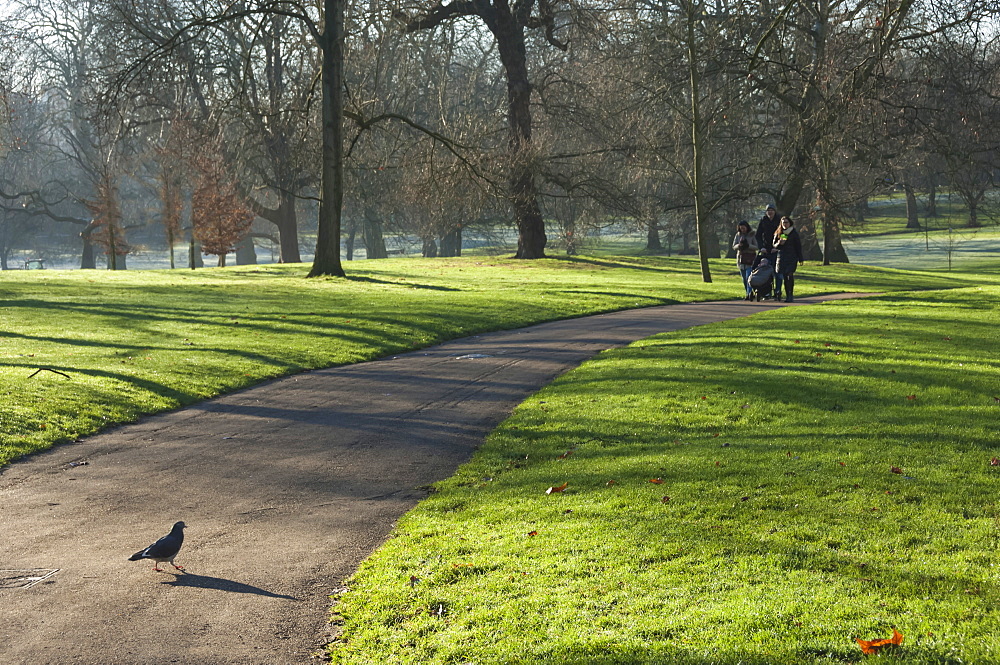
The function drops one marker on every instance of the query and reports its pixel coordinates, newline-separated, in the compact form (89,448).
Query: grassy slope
(786,532)
(137,342)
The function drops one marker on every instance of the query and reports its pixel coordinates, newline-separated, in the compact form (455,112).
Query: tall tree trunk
(246,253)
(287,222)
(521,179)
(430,249)
(569,232)
(653,243)
(833,246)
(451,242)
(194,255)
(932,200)
(700,212)
(87,259)
(973,203)
(912,221)
(327,259)
(352,233)
(810,242)
(170,248)
(374,240)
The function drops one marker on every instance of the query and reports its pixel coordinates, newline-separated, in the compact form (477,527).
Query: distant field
(962,249)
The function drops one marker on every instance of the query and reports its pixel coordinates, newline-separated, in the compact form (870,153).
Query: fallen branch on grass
(49,369)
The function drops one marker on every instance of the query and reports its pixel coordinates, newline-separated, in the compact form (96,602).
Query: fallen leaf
(560,488)
(869,647)
(819,354)
(841,463)
(532,533)
(911,397)
(566,454)
(665,499)
(656,481)
(947,339)
(746,498)
(895,469)
(612,482)
(995,462)
(828,344)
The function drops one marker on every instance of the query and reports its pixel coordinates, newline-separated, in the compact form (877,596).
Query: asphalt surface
(286,487)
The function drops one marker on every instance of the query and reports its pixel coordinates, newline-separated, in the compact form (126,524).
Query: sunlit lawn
(112,346)
(760,491)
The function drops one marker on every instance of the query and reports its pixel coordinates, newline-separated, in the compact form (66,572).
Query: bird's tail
(138,555)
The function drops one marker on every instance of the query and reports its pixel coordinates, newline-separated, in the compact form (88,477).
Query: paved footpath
(286,487)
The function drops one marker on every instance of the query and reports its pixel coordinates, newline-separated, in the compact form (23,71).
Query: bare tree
(508,24)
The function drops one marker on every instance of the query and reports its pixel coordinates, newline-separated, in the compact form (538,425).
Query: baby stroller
(761,280)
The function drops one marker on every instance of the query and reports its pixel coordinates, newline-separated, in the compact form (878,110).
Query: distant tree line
(213,123)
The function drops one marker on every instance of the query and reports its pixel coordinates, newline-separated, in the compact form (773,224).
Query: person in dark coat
(765,234)
(789,248)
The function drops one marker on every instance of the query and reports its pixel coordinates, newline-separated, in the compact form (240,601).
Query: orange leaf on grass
(895,469)
(995,462)
(911,397)
(656,481)
(560,488)
(532,533)
(869,647)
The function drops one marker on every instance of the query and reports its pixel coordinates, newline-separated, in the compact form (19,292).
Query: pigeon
(165,549)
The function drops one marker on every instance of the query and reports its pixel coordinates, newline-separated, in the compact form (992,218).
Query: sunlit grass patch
(117,345)
(757,491)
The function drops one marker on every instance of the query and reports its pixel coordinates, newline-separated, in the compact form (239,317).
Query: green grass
(136,342)
(786,533)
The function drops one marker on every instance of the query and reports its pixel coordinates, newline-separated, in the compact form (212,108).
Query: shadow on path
(222,584)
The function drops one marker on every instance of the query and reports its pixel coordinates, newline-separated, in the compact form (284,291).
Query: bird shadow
(221,584)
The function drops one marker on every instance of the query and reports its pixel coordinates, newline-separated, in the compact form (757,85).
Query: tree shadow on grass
(221,584)
(412,285)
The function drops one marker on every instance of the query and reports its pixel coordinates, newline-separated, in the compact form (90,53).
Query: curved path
(285,488)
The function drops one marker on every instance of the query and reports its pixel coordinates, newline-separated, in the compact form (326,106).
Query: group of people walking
(768,257)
